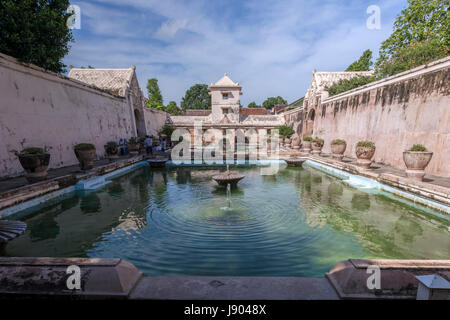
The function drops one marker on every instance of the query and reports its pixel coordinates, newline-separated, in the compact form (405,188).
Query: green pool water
(299,222)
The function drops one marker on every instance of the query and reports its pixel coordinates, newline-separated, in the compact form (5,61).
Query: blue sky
(269,46)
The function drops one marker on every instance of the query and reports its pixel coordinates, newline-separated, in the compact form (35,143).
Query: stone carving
(296,141)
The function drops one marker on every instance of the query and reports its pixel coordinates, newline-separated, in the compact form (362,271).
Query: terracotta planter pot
(112,153)
(364,155)
(35,166)
(416,162)
(86,158)
(338,150)
(316,148)
(306,146)
(133,147)
(295,141)
(287,142)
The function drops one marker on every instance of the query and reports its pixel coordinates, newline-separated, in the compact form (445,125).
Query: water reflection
(298,223)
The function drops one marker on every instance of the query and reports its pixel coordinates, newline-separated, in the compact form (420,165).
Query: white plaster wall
(42,109)
(395,126)
(154,120)
(217,102)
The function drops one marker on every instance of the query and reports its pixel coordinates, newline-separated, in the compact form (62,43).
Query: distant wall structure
(395,113)
(43,109)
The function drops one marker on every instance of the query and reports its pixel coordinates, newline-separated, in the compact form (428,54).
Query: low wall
(43,109)
(395,113)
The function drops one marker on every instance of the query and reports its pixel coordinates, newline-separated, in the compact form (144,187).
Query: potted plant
(112,150)
(317,145)
(364,152)
(306,145)
(85,153)
(338,147)
(286,131)
(416,160)
(133,145)
(35,162)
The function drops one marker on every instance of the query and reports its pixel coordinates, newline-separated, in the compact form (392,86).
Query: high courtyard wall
(43,109)
(395,113)
(154,120)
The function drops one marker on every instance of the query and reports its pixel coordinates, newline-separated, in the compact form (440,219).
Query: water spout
(229,195)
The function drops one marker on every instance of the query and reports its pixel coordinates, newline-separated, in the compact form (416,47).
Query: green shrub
(366,144)
(338,141)
(111,144)
(418,148)
(33,150)
(307,139)
(167,130)
(319,142)
(84,147)
(133,140)
(285,131)
(349,84)
(414,55)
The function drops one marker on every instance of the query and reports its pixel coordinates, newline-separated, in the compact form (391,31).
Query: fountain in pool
(228,178)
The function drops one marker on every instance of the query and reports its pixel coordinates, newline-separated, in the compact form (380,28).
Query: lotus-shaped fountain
(228,177)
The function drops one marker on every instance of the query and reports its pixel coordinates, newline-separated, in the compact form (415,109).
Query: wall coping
(33,70)
(406,75)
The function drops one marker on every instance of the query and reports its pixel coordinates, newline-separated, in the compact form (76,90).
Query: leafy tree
(416,54)
(154,105)
(196,97)
(154,94)
(349,84)
(253,105)
(426,22)
(167,130)
(363,63)
(272,101)
(35,31)
(172,108)
(285,131)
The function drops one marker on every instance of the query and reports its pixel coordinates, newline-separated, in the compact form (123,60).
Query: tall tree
(363,63)
(154,94)
(421,34)
(196,97)
(253,105)
(272,101)
(172,108)
(35,31)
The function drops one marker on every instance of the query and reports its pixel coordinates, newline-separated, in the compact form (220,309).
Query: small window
(225,96)
(225,111)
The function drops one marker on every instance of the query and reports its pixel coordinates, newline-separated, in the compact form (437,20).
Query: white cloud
(268,46)
(169,28)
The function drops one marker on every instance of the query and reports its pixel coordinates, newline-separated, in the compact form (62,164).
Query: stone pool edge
(36,195)
(403,188)
(119,279)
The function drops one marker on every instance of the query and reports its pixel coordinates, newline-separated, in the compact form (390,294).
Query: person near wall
(125,146)
(148,145)
(121,145)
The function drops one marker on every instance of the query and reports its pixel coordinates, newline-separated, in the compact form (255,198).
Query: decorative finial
(133,67)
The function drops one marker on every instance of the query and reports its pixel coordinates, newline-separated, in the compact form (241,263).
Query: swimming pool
(177,221)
